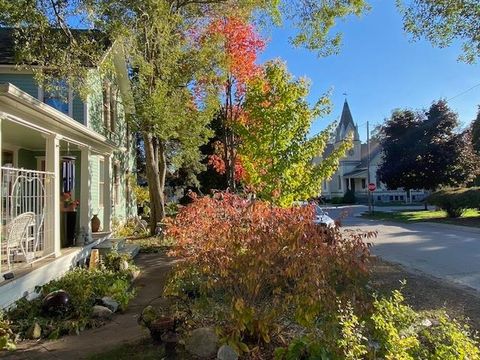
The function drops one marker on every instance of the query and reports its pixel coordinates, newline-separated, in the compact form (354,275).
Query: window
(68,174)
(57,95)
(116,184)
(364,183)
(339,182)
(113,109)
(7,158)
(324,184)
(101,183)
(379,198)
(109,106)
(106,105)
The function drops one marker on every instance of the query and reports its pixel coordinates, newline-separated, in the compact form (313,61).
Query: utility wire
(464,92)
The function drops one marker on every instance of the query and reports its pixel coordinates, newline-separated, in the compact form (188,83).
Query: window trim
(101,183)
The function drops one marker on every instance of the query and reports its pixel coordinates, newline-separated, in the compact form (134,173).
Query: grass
(143,350)
(153,244)
(470,217)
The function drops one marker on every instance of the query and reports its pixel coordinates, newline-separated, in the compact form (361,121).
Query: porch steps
(118,245)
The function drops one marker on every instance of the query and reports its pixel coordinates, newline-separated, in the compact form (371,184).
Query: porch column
(85,192)
(52,218)
(1,149)
(107,198)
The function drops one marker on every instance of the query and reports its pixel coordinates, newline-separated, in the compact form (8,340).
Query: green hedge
(456,200)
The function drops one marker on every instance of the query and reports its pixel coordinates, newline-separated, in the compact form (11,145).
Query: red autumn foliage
(218,164)
(242,44)
(267,261)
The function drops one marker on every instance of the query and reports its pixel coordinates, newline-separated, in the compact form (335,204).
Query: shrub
(84,287)
(456,201)
(265,262)
(336,200)
(392,331)
(349,197)
(132,227)
(7,337)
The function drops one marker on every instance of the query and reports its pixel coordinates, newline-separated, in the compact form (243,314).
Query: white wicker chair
(18,235)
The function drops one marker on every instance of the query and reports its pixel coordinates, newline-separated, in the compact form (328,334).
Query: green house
(64,160)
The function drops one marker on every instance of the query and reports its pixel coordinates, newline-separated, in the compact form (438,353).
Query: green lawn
(471,217)
(144,350)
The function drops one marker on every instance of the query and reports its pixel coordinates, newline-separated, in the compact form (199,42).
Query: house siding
(95,104)
(24,82)
(27,159)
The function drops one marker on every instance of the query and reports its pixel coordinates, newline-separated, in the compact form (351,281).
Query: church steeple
(346,125)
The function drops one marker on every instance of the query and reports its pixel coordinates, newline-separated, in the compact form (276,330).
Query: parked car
(322,218)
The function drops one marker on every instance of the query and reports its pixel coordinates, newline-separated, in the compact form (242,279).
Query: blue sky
(381,69)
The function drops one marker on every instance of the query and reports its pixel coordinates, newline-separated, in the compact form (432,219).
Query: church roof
(346,125)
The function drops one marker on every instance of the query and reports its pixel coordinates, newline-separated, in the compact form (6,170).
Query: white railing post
(85,193)
(52,164)
(107,198)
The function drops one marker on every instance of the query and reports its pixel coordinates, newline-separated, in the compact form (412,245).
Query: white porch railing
(25,203)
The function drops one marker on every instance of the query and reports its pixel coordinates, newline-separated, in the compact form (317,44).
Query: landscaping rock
(102,312)
(426,323)
(226,352)
(124,265)
(34,332)
(202,343)
(108,302)
(56,302)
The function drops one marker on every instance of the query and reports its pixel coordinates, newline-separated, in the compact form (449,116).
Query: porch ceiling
(21,136)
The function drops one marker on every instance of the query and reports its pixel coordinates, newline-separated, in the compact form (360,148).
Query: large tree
(475,133)
(443,21)
(276,149)
(425,151)
(240,45)
(160,42)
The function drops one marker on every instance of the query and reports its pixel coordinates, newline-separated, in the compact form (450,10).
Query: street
(444,251)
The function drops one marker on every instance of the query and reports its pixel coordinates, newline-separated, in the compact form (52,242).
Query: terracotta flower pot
(95,222)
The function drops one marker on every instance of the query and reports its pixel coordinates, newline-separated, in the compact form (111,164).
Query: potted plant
(69,204)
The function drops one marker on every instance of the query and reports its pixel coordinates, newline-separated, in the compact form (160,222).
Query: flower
(68,201)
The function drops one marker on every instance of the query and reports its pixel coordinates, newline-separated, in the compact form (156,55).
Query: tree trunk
(155,169)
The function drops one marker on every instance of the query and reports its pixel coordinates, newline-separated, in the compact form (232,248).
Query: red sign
(371,187)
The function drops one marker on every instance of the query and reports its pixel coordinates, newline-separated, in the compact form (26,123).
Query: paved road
(444,251)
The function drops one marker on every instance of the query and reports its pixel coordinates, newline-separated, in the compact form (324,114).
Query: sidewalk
(121,330)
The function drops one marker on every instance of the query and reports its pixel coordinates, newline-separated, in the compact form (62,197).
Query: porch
(47,161)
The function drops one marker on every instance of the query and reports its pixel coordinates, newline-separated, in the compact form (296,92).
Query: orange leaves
(268,261)
(242,44)
(217,163)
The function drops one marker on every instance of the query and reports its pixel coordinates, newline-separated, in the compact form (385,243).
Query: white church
(352,173)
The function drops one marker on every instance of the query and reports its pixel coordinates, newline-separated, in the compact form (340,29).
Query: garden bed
(267,283)
(81,299)
(426,293)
